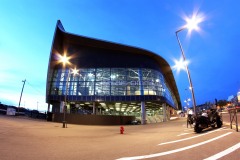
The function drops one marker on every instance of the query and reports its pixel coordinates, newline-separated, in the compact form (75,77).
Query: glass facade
(110,82)
(113,79)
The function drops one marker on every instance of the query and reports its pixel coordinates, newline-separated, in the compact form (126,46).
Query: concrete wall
(93,119)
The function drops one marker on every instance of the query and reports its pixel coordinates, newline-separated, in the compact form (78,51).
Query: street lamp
(65,60)
(74,72)
(192,24)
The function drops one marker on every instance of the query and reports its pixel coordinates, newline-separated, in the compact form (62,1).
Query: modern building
(115,83)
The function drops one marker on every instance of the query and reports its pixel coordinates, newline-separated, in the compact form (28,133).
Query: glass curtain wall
(111,82)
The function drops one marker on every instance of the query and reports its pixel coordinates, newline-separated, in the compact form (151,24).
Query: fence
(233,115)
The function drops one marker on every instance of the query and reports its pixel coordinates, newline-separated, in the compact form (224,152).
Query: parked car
(136,122)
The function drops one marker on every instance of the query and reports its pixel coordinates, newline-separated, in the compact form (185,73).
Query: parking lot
(24,138)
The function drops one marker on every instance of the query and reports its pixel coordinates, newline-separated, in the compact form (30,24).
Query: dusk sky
(27,28)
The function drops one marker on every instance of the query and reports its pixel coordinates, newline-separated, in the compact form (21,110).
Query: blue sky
(27,29)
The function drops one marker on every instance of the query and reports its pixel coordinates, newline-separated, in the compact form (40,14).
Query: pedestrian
(189,112)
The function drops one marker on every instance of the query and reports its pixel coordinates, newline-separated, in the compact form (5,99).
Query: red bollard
(121,129)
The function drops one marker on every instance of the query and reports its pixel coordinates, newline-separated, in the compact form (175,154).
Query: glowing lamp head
(180,65)
(64,59)
(192,22)
(75,71)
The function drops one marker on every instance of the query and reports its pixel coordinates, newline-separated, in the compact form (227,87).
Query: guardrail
(233,117)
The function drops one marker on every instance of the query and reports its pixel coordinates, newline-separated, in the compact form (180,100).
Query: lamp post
(192,24)
(188,73)
(74,71)
(65,101)
(65,60)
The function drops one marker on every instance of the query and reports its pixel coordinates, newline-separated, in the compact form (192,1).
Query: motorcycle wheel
(219,123)
(213,125)
(197,129)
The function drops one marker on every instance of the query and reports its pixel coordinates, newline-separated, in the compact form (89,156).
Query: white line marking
(183,134)
(180,140)
(223,153)
(173,151)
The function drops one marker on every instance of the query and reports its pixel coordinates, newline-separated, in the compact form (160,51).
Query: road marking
(173,151)
(183,134)
(223,153)
(180,140)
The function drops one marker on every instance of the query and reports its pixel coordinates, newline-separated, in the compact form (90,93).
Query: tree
(222,103)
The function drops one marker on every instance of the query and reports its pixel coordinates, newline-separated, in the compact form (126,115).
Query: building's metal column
(140,82)
(61,106)
(164,112)
(94,108)
(143,113)
(168,113)
(143,109)
(68,108)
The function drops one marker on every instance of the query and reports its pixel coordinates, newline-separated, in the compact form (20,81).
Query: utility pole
(21,94)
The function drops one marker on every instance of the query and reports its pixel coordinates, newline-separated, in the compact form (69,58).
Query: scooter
(206,120)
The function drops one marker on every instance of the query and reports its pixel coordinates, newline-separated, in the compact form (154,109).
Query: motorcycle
(206,120)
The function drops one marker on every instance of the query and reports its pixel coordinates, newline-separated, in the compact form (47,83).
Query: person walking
(189,117)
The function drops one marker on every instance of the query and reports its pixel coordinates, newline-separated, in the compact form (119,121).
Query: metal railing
(233,117)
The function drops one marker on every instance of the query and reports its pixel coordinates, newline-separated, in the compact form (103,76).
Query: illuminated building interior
(112,79)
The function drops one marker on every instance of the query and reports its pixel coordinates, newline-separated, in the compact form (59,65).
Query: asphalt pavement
(31,139)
